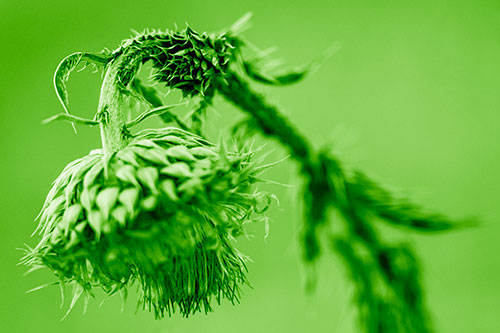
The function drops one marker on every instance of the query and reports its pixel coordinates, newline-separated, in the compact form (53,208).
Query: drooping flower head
(160,212)
(160,208)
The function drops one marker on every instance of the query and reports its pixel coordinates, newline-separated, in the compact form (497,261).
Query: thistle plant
(160,208)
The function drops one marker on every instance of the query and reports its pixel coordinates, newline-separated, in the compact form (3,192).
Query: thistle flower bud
(160,212)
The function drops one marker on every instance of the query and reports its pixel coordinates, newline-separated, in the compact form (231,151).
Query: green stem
(268,118)
(114,134)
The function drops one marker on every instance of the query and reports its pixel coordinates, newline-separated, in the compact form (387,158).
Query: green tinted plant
(159,207)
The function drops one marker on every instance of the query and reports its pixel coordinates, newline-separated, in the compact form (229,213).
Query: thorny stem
(272,124)
(380,267)
(268,118)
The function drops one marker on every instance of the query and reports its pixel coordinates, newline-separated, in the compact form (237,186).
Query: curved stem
(114,134)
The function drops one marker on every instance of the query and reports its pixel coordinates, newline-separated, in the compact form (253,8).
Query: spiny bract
(183,59)
(160,212)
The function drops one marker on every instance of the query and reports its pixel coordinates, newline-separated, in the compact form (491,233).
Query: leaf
(68,65)
(72,119)
(177,170)
(106,200)
(373,198)
(148,93)
(223,154)
(290,77)
(149,113)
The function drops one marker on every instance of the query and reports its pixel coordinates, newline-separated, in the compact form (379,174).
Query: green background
(412,97)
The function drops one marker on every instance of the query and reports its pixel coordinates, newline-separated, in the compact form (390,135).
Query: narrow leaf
(70,118)
(68,65)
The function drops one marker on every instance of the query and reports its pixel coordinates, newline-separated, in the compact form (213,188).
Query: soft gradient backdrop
(412,97)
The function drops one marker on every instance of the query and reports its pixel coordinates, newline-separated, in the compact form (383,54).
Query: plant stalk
(114,133)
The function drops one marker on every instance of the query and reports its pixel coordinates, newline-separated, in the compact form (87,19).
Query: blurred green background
(412,97)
